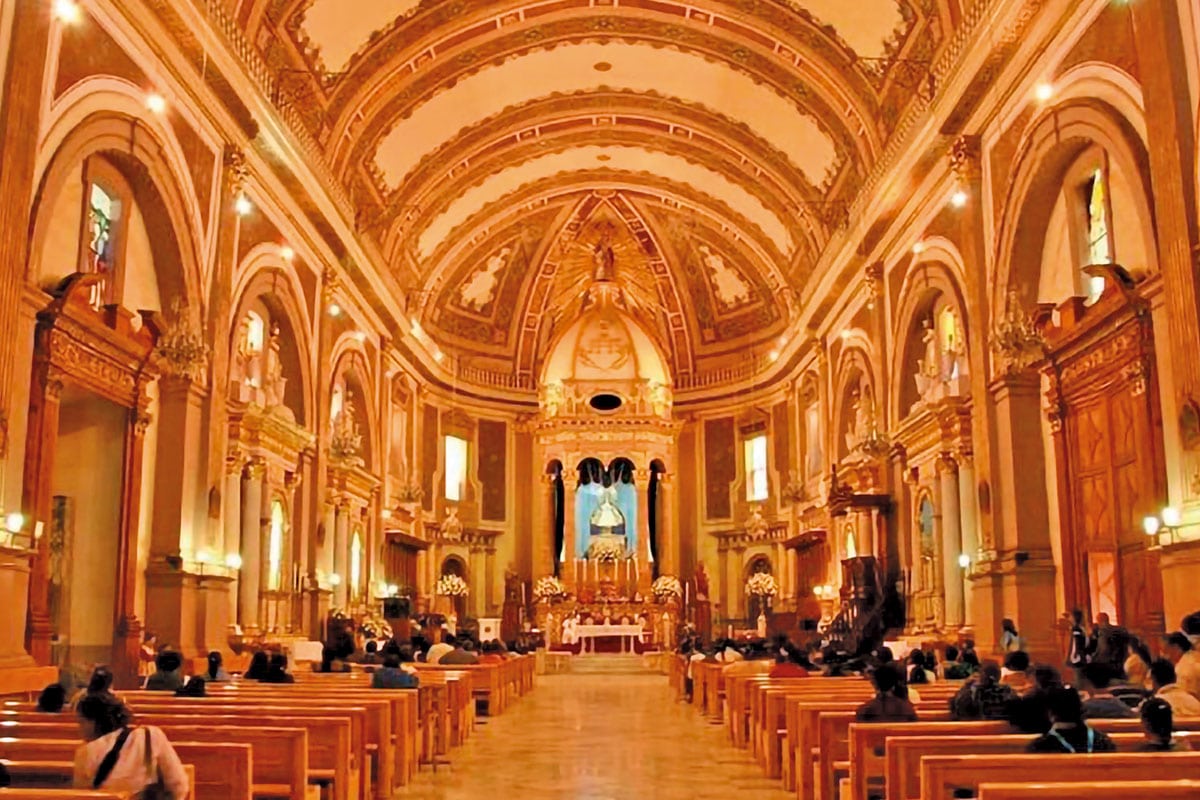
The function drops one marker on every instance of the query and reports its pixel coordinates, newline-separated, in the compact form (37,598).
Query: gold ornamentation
(1016,340)
(345,442)
(181,349)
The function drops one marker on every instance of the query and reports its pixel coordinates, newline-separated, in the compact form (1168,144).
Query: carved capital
(946,465)
(236,171)
(141,421)
(256,469)
(965,158)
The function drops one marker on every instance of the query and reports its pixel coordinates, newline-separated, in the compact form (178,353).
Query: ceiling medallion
(602,66)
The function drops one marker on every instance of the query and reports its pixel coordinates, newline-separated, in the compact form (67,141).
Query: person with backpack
(119,757)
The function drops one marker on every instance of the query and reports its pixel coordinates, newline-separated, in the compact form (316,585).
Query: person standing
(1077,646)
(1010,640)
(1179,650)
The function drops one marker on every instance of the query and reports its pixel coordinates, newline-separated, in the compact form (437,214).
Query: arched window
(337,400)
(756,467)
(356,552)
(275,548)
(1098,239)
(106,210)
(255,333)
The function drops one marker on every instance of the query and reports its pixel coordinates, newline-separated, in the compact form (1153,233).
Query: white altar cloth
(627,633)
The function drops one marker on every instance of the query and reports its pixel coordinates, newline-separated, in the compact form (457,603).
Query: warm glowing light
(438,355)
(156,102)
(14,522)
(286,253)
(386,513)
(1171,517)
(66,11)
(773,355)
(845,333)
(1150,525)
(242,205)
(203,557)
(782,339)
(334,310)
(918,248)
(393,590)
(416,329)
(1043,91)
(964,560)
(958,199)
(233,561)
(335,579)
(360,337)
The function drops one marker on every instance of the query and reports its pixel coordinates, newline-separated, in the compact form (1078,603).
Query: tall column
(569,487)
(489,576)
(250,578)
(325,554)
(231,507)
(645,562)
(969,517)
(952,573)
(668,546)
(723,577)
(733,579)
(341,553)
(543,529)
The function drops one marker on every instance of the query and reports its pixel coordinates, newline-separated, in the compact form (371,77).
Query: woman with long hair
(118,757)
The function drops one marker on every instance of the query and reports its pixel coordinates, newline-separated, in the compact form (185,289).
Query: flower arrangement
(549,589)
(666,588)
(606,550)
(373,627)
(761,584)
(452,586)
(339,613)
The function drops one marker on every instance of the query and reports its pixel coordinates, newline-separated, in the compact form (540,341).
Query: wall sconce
(964,561)
(203,559)
(824,591)
(233,561)
(1167,522)
(14,531)
(335,579)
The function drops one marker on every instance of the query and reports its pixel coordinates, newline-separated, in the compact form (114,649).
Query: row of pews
(325,737)
(803,732)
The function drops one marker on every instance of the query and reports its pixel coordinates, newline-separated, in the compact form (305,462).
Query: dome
(605,344)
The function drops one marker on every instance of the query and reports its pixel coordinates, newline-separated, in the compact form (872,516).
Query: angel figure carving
(730,287)
(479,291)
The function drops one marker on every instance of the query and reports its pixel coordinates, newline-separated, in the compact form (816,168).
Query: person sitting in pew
(260,663)
(391,676)
(1166,687)
(1137,663)
(119,758)
(462,654)
(1158,724)
(1068,732)
(330,662)
(491,653)
(1015,673)
(195,687)
(277,670)
(1101,703)
(215,672)
(983,696)
(52,699)
(1179,650)
(168,674)
(1030,713)
(917,673)
(887,705)
(371,653)
(789,664)
(436,652)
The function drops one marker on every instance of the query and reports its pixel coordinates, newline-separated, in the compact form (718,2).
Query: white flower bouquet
(761,584)
(549,589)
(452,586)
(666,587)
(606,550)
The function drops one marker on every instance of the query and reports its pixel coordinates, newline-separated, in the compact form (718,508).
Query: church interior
(839,321)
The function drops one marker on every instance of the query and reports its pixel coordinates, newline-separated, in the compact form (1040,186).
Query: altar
(628,634)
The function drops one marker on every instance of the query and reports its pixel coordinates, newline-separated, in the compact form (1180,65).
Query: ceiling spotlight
(1043,91)
(156,103)
(438,355)
(958,199)
(66,11)
(360,337)
(918,248)
(782,339)
(286,253)
(242,205)
(773,355)
(334,310)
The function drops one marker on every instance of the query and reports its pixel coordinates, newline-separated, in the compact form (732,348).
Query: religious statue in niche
(943,366)
(604,257)
(729,286)
(452,526)
(478,292)
(861,417)
(273,380)
(756,525)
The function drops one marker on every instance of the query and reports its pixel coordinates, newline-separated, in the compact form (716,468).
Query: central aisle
(607,734)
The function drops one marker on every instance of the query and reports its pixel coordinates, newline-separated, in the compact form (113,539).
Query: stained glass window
(756,468)
(456,467)
(1099,242)
(103,209)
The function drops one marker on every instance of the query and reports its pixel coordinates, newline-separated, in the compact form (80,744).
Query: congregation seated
(370,653)
(491,653)
(462,654)
(1029,713)
(1068,732)
(435,653)
(215,670)
(790,663)
(330,662)
(983,696)
(1178,648)
(1166,686)
(120,758)
(196,686)
(890,703)
(1158,723)
(917,673)
(260,662)
(52,699)
(1015,672)
(277,670)
(1137,663)
(391,676)
(1101,702)
(168,673)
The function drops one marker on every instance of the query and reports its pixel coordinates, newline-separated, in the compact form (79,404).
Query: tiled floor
(610,733)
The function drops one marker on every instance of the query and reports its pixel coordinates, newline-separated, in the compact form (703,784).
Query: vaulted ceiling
(487,144)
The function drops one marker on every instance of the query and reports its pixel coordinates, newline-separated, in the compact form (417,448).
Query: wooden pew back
(947,777)
(1126,790)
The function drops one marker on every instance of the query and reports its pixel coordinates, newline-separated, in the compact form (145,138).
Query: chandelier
(1017,342)
(181,348)
(345,441)
(875,444)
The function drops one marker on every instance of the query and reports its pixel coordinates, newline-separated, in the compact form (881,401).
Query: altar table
(627,633)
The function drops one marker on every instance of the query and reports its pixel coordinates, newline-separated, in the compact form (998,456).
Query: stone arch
(934,275)
(1052,143)
(349,358)
(101,117)
(266,277)
(854,370)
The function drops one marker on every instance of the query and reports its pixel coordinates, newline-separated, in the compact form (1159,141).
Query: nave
(598,735)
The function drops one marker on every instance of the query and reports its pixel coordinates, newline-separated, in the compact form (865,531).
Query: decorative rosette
(761,584)
(666,588)
(549,589)
(452,586)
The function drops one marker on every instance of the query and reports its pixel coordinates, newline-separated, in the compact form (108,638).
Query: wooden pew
(221,771)
(488,682)
(948,777)
(60,794)
(279,755)
(1126,790)
(61,775)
